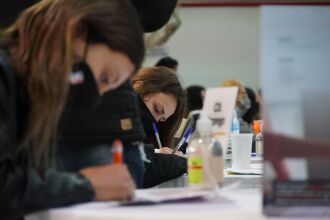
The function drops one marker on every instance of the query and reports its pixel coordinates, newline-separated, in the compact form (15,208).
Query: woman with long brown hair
(54,46)
(160,90)
(162,102)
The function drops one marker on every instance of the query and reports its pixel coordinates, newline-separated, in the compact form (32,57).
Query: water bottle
(234,129)
(196,162)
(216,161)
(257,127)
(234,124)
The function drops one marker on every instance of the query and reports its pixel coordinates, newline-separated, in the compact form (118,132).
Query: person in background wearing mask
(243,103)
(162,101)
(51,48)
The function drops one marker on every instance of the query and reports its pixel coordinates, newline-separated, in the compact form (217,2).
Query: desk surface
(246,181)
(234,202)
(241,198)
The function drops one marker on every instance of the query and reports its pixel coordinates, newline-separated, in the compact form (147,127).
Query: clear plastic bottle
(216,161)
(205,157)
(257,127)
(234,129)
(259,145)
(235,124)
(196,162)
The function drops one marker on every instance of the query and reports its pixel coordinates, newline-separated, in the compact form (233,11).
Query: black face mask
(83,93)
(146,118)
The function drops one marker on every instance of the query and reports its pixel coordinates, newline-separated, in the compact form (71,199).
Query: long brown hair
(41,41)
(162,79)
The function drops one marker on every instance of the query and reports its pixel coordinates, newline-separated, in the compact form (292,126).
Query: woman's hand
(167,150)
(110,182)
(179,153)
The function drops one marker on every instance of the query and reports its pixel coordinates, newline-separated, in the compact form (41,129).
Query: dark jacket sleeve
(24,190)
(162,167)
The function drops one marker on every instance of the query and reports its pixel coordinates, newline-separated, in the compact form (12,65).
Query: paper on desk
(255,169)
(244,171)
(169,195)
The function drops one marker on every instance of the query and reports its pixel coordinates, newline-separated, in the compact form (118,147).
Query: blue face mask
(83,93)
(244,104)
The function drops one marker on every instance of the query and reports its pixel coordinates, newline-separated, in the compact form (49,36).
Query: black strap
(10,82)
(8,70)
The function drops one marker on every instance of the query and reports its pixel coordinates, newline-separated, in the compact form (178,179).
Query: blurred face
(161,105)
(110,68)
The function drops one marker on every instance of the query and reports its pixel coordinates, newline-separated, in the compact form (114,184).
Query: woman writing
(162,101)
(98,41)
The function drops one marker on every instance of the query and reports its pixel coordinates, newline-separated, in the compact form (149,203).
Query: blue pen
(154,126)
(183,139)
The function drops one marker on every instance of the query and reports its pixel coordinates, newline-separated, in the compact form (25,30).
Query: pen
(154,126)
(117,152)
(185,137)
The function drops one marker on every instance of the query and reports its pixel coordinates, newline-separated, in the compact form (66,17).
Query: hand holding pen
(107,180)
(184,139)
(154,126)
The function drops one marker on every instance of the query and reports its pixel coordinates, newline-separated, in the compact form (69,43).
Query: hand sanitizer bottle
(205,157)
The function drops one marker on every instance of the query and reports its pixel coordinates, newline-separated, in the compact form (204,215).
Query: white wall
(216,43)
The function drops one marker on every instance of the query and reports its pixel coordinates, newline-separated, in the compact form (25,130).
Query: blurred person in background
(243,103)
(168,62)
(195,97)
(195,100)
(253,112)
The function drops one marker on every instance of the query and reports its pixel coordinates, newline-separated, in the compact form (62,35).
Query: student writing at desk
(162,101)
(85,136)
(98,42)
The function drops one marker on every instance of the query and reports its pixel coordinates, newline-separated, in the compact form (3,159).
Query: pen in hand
(154,126)
(183,139)
(117,152)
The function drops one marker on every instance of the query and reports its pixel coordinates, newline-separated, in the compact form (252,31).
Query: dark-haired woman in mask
(52,48)
(162,101)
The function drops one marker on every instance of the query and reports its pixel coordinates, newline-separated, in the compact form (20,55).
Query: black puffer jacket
(22,188)
(162,167)
(86,136)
